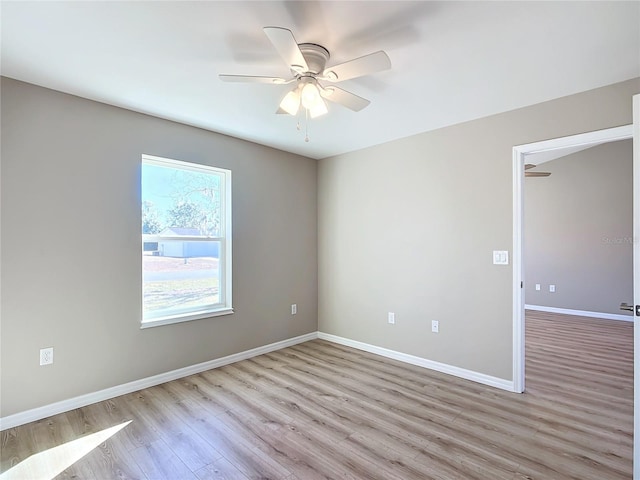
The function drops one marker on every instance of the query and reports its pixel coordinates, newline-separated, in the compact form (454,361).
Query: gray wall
(71,273)
(578,230)
(409,227)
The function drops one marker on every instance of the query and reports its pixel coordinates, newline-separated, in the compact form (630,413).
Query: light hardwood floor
(320,410)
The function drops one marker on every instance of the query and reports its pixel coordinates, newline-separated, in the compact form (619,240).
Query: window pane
(180,276)
(188,200)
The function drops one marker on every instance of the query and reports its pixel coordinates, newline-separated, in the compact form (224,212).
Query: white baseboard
(581,313)
(34,414)
(39,413)
(422,362)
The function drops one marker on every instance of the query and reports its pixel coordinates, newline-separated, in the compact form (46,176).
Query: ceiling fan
(308,65)
(529,166)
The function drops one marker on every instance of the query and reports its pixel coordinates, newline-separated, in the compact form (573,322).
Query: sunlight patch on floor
(50,463)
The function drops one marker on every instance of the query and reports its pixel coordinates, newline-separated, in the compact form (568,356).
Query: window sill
(158,322)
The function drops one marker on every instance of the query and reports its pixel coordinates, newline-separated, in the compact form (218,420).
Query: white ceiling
(452,61)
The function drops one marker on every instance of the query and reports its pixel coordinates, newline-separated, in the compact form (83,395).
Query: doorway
(550,149)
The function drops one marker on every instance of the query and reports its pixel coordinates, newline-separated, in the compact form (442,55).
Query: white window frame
(224,305)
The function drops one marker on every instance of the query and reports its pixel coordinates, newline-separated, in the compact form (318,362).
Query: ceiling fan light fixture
(320,108)
(291,102)
(310,96)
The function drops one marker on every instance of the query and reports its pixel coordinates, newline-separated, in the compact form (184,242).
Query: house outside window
(186,241)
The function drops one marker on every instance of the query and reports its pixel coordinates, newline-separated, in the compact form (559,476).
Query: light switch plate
(500,257)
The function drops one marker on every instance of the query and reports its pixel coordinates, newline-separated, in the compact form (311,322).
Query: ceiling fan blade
(253,79)
(348,99)
(287,47)
(372,63)
(537,174)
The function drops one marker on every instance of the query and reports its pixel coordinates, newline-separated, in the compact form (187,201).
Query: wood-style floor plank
(319,411)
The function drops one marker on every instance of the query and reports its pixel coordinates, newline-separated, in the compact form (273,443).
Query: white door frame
(636,286)
(519,156)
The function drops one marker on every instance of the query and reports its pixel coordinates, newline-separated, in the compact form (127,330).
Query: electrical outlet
(435,326)
(552,288)
(537,287)
(294,309)
(391,318)
(46,356)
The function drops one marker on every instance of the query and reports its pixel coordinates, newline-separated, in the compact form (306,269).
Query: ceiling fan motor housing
(316,56)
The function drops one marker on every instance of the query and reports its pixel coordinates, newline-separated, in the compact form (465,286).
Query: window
(186,241)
